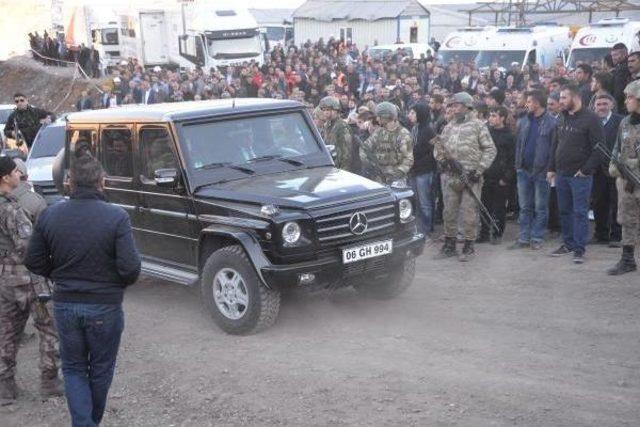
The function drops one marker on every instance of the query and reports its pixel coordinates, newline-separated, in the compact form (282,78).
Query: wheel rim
(230,293)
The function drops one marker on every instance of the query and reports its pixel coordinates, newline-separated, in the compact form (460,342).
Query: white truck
(540,44)
(195,34)
(462,44)
(591,44)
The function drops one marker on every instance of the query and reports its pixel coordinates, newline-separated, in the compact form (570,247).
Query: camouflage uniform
(338,134)
(17,296)
(32,203)
(470,143)
(388,154)
(628,146)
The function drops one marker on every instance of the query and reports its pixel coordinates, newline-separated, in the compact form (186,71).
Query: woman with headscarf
(422,172)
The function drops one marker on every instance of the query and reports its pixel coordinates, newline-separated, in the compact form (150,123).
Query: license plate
(366,251)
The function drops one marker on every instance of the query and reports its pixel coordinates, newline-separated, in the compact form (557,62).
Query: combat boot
(50,386)
(468,252)
(448,249)
(626,264)
(8,389)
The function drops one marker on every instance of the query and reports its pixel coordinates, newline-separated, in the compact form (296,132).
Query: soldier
(31,202)
(28,120)
(628,148)
(337,132)
(465,140)
(388,152)
(17,295)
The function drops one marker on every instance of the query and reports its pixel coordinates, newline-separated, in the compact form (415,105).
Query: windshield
(464,56)
(275,34)
(48,142)
(109,36)
(4,114)
(234,48)
(241,141)
(588,56)
(504,58)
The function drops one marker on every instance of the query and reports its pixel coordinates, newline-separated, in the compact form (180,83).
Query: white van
(414,50)
(593,43)
(540,44)
(462,45)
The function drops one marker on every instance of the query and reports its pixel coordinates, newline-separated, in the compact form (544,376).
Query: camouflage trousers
(17,302)
(459,205)
(629,214)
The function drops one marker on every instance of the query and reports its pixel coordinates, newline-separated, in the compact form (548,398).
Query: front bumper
(329,270)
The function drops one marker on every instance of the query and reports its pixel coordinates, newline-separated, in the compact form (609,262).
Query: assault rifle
(19,137)
(632,177)
(457,169)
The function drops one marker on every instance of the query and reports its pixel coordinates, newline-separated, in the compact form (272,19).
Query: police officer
(466,140)
(628,148)
(388,153)
(28,120)
(337,132)
(17,295)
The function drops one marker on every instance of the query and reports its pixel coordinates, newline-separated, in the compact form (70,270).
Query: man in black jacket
(620,74)
(604,193)
(572,164)
(85,246)
(499,176)
(24,122)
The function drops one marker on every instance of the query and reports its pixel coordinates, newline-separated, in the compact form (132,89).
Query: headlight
(406,209)
(291,233)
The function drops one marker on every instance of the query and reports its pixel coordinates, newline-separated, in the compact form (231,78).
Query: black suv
(242,197)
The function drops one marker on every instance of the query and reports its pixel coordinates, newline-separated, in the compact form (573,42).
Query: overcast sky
(265,4)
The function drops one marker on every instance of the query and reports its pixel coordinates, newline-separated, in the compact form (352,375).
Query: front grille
(371,266)
(333,229)
(45,188)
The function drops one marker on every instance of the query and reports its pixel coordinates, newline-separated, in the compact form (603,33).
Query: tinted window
(4,115)
(156,151)
(49,141)
(239,141)
(117,153)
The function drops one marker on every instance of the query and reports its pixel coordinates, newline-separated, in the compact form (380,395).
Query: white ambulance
(462,44)
(593,43)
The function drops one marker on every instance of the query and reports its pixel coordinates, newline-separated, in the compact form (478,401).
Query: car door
(168,231)
(116,153)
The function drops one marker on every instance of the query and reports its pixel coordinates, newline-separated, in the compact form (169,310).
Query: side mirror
(166,178)
(332,151)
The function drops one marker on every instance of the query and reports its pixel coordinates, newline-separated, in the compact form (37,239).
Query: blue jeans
(89,341)
(533,198)
(573,204)
(422,186)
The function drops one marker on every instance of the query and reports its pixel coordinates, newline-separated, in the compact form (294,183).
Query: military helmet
(22,167)
(330,102)
(633,89)
(462,98)
(387,110)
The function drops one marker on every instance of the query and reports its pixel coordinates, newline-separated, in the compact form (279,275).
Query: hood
(40,169)
(304,188)
(422,113)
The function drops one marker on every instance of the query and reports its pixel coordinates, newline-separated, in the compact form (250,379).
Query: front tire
(232,292)
(391,286)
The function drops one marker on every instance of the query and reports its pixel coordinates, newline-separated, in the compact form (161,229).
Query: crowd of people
(466,140)
(53,50)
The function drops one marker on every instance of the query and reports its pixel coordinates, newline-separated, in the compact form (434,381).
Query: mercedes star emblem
(358,223)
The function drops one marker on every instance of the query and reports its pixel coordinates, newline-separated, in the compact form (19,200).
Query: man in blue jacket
(85,246)
(536,134)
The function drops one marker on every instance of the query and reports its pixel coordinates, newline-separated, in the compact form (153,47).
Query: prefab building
(364,22)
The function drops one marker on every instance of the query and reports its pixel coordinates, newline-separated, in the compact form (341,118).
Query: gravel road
(511,338)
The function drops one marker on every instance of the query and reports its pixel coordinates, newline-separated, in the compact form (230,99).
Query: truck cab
(241,199)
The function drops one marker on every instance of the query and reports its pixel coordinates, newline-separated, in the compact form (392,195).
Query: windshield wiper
(229,165)
(277,157)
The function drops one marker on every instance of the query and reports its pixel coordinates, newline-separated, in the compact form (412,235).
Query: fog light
(306,278)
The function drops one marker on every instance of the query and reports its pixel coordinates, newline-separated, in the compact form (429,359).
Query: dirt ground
(511,338)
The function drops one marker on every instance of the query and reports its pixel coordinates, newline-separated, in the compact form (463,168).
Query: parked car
(242,199)
(5,112)
(46,145)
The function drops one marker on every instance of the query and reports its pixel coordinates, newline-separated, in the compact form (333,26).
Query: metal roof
(177,111)
(367,10)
